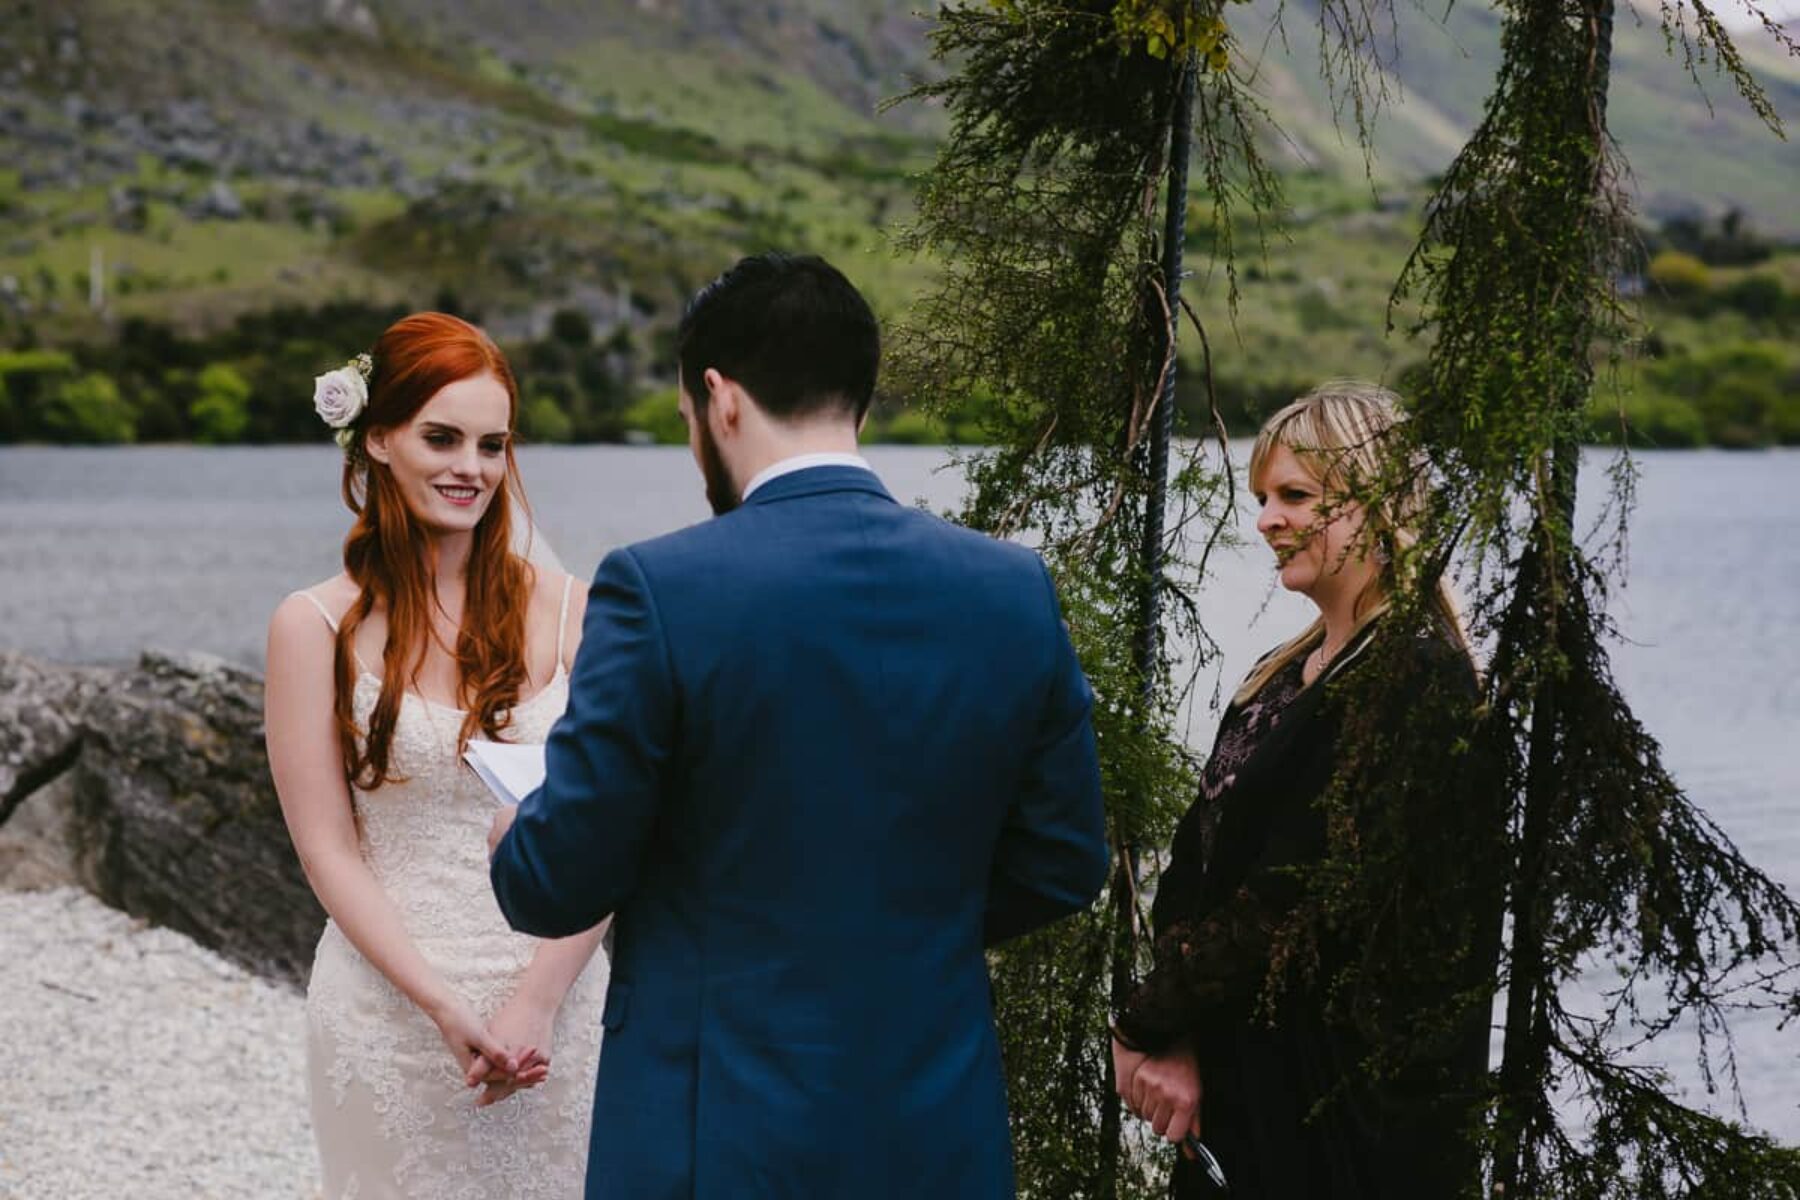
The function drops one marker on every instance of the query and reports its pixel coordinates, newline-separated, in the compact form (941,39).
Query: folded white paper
(511,770)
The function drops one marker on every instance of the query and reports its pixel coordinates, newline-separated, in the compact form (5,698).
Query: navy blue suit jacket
(818,753)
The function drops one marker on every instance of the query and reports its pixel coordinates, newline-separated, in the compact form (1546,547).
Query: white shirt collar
(801,462)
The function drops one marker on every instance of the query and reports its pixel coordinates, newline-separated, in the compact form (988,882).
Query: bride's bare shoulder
(321,605)
(549,586)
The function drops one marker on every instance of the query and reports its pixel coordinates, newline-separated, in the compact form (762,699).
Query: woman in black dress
(1278,1070)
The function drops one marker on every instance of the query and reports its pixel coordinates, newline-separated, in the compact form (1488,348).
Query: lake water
(104,552)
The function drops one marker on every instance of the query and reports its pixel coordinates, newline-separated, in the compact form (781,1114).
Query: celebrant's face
(1313,550)
(450,459)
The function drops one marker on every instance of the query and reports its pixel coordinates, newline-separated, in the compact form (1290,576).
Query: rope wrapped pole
(1162,431)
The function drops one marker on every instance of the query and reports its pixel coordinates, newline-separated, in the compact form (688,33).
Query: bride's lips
(460,496)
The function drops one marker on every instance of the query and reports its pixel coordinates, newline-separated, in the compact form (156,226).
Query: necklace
(1320,659)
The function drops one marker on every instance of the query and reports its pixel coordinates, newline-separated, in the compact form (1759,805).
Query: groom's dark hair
(790,329)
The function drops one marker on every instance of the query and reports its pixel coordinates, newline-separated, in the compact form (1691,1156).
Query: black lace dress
(1284,1106)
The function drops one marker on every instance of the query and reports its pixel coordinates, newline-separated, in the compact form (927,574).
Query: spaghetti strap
(326,613)
(562,618)
(323,611)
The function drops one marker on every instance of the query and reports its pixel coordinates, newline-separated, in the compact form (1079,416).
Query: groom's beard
(721,493)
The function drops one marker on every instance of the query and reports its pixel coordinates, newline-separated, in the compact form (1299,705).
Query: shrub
(910,427)
(541,419)
(1759,297)
(571,327)
(88,408)
(27,380)
(1647,420)
(221,408)
(1739,411)
(656,414)
(1741,391)
(1680,276)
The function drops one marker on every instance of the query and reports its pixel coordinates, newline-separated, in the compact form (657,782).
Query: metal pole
(1163,419)
(1162,429)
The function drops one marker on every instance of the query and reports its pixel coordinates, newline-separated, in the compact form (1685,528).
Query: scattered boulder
(220,201)
(148,786)
(129,208)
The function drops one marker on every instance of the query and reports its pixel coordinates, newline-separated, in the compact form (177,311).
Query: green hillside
(525,152)
(1693,143)
(262,184)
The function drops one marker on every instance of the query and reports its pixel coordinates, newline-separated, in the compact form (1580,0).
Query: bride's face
(450,459)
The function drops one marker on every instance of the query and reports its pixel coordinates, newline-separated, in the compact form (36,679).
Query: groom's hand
(502,822)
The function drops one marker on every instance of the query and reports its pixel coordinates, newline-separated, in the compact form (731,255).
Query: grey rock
(149,787)
(192,152)
(219,201)
(129,208)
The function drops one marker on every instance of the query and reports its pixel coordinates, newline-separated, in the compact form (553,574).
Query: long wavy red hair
(387,553)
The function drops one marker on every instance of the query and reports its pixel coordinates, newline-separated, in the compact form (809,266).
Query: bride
(424,1010)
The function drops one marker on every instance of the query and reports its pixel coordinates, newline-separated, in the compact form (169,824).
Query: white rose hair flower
(340,396)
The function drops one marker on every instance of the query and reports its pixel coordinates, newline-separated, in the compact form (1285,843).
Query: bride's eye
(437,439)
(493,446)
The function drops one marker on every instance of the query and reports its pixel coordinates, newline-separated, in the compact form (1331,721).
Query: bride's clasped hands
(523,1027)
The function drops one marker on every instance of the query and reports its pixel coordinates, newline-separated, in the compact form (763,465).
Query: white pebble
(140,1064)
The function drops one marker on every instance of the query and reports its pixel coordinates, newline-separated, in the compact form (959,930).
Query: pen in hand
(1197,1148)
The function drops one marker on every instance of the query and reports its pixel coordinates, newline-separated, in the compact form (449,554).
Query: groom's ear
(724,400)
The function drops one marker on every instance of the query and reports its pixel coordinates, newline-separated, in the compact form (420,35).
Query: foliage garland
(1052,324)
(1614,870)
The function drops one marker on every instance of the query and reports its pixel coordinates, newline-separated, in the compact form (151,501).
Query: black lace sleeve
(1216,962)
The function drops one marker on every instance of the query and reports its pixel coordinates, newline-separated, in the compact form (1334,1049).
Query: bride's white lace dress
(389,1108)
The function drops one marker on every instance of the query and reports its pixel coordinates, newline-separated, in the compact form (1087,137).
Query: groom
(819,752)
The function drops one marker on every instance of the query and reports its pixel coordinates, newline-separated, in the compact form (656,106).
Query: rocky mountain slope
(220,156)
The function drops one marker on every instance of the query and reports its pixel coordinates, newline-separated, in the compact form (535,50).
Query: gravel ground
(140,1064)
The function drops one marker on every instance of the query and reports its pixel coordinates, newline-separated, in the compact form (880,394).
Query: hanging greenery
(1613,872)
(1053,327)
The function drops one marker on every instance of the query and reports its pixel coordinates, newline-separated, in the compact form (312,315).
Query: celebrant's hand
(1164,1089)
(1126,1062)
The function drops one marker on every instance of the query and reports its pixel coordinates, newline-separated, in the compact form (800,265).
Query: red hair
(386,552)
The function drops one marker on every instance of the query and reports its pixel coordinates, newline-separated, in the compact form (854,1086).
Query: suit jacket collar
(813,481)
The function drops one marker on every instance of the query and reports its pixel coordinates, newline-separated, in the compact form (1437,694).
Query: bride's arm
(554,967)
(306,760)
(529,1015)
(558,962)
